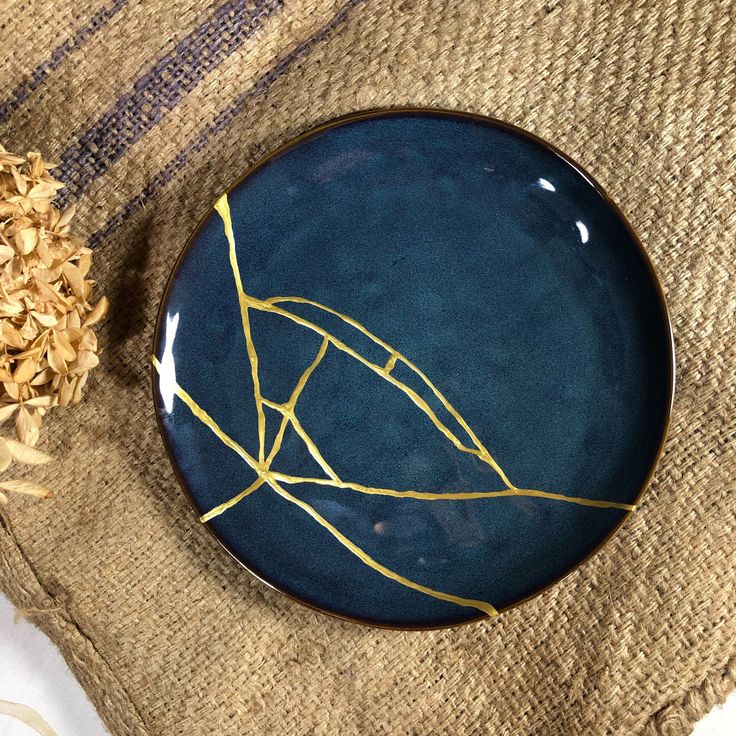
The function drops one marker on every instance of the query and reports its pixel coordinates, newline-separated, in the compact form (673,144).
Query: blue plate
(413,368)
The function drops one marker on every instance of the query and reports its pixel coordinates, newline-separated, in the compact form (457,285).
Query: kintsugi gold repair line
(390,363)
(480,450)
(208,421)
(267,477)
(273,479)
(223,208)
(363,556)
(450,495)
(265,473)
(254,486)
(287,411)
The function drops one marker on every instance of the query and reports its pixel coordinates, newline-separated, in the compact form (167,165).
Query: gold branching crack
(223,208)
(262,466)
(450,495)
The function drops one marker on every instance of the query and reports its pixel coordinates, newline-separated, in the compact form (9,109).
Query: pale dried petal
(43,252)
(75,334)
(41,401)
(9,159)
(78,386)
(56,360)
(32,352)
(42,206)
(12,389)
(20,181)
(45,292)
(44,189)
(88,341)
(12,337)
(26,427)
(25,371)
(6,252)
(84,263)
(25,454)
(74,278)
(7,411)
(43,376)
(36,164)
(98,312)
(27,487)
(29,329)
(67,216)
(66,392)
(48,275)
(86,360)
(63,321)
(6,458)
(73,320)
(10,309)
(47,320)
(61,342)
(26,239)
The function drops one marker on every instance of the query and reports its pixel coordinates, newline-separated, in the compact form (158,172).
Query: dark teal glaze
(507,277)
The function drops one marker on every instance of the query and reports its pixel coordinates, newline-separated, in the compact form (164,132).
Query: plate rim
(492,122)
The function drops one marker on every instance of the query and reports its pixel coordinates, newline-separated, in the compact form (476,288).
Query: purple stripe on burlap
(158,91)
(42,71)
(223,119)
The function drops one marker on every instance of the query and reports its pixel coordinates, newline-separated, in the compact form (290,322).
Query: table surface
(33,672)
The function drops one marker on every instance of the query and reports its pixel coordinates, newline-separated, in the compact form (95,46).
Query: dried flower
(46,309)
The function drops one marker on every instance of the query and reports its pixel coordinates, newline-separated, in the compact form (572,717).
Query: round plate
(413,368)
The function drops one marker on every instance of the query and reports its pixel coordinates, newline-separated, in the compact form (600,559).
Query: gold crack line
(450,496)
(265,473)
(254,486)
(279,438)
(286,409)
(483,453)
(413,395)
(364,557)
(390,363)
(267,476)
(314,451)
(302,382)
(288,415)
(209,422)
(280,408)
(223,208)
(277,441)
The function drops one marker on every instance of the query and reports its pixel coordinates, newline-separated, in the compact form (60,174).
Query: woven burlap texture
(151,109)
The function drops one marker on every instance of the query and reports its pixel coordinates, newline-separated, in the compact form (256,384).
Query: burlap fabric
(151,108)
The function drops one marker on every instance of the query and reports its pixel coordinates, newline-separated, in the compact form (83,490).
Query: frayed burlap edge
(19,582)
(679,716)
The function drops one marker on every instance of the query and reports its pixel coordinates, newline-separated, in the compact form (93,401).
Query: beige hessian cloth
(151,108)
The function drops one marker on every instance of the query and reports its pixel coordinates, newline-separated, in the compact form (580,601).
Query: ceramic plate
(413,368)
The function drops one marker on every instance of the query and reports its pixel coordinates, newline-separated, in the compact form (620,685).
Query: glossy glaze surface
(491,265)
